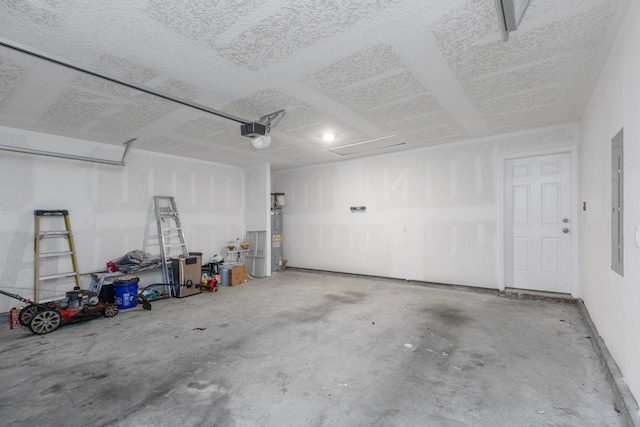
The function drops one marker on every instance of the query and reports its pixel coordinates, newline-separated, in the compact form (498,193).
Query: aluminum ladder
(170,234)
(53,234)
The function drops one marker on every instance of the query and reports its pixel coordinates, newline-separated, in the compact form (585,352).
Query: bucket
(126,292)
(107,293)
(223,270)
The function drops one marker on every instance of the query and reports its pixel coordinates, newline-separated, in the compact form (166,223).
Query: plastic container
(225,275)
(107,293)
(126,291)
(223,270)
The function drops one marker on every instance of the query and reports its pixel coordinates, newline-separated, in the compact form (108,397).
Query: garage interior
(438,198)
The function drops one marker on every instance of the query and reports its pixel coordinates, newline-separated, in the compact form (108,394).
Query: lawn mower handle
(16,296)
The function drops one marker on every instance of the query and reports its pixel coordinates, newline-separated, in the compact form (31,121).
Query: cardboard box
(238,275)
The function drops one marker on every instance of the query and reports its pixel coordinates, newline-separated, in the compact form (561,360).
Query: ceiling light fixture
(510,13)
(261,142)
(328,137)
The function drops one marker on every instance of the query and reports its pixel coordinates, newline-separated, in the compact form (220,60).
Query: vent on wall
(367,146)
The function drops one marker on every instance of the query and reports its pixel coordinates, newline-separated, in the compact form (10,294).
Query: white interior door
(538,223)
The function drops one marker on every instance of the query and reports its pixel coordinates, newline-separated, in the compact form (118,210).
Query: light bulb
(328,137)
(261,141)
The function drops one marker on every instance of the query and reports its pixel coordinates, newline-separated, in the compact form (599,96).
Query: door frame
(576,218)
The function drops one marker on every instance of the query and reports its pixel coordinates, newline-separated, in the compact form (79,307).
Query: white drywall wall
(257,198)
(257,182)
(613,301)
(431,214)
(111,207)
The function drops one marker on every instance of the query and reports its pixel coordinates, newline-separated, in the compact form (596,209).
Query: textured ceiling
(424,72)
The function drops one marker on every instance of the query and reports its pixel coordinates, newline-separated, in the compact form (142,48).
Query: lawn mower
(80,305)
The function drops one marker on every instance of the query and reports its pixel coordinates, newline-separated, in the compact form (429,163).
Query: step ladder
(170,234)
(39,235)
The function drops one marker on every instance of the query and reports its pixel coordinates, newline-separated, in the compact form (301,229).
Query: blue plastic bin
(126,292)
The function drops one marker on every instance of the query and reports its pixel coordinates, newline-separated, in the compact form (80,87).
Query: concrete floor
(312,349)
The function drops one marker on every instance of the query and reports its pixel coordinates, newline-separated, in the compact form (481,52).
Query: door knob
(565,230)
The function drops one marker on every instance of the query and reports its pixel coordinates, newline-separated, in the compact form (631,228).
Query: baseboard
(624,401)
(434,285)
(538,296)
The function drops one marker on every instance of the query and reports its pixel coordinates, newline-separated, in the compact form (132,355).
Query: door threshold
(538,295)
